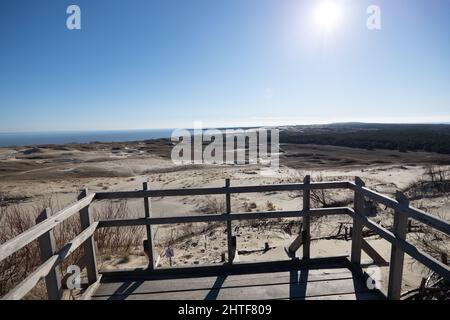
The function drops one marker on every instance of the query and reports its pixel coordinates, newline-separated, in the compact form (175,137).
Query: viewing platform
(295,277)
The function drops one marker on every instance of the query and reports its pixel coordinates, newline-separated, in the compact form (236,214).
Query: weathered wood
(234,252)
(421,292)
(427,260)
(33,233)
(357,228)
(397,255)
(419,215)
(231,250)
(89,292)
(324,283)
(219,269)
(44,269)
(401,245)
(444,258)
(47,248)
(316,212)
(296,244)
(30,282)
(373,254)
(80,239)
(212,191)
(306,228)
(89,244)
(149,249)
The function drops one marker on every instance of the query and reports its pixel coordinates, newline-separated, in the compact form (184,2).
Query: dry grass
(117,240)
(16,219)
(435,182)
(213,205)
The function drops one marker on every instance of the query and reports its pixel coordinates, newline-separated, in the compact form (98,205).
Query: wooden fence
(51,258)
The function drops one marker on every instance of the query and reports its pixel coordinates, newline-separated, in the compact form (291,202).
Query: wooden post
(444,258)
(397,255)
(47,247)
(306,232)
(89,245)
(149,246)
(357,226)
(231,248)
(421,289)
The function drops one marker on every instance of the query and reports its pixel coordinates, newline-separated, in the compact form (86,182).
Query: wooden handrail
(44,269)
(17,243)
(82,206)
(411,212)
(220,190)
(427,260)
(222,217)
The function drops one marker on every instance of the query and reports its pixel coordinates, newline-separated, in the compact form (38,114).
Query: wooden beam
(211,191)
(427,260)
(397,254)
(33,233)
(30,282)
(306,228)
(148,214)
(373,254)
(317,212)
(47,248)
(357,228)
(87,294)
(411,212)
(89,244)
(296,244)
(231,248)
(44,269)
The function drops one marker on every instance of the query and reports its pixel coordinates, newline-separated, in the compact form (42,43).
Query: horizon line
(220,127)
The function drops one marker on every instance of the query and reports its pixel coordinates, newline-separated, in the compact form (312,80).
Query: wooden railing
(51,259)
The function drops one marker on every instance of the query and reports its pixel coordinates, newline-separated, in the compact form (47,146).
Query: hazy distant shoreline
(20,139)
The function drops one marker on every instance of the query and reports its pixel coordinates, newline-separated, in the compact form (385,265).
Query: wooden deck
(328,281)
(305,278)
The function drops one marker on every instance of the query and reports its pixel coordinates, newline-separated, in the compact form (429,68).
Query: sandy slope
(59,172)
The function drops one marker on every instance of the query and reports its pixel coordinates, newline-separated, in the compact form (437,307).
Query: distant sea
(39,138)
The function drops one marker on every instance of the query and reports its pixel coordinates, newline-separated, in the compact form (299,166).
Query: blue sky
(146,64)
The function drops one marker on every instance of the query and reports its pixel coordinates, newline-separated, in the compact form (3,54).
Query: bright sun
(328,15)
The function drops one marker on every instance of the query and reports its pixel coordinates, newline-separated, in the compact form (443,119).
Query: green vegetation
(402,137)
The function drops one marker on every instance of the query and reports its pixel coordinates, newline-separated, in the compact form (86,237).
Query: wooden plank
(211,191)
(293,289)
(316,212)
(89,292)
(89,244)
(28,283)
(397,254)
(33,233)
(229,281)
(47,248)
(427,260)
(414,213)
(357,226)
(373,254)
(306,227)
(296,244)
(147,209)
(217,269)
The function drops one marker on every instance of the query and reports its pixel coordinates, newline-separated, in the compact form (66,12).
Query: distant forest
(402,137)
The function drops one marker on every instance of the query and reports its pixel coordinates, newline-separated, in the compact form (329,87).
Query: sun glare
(328,15)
